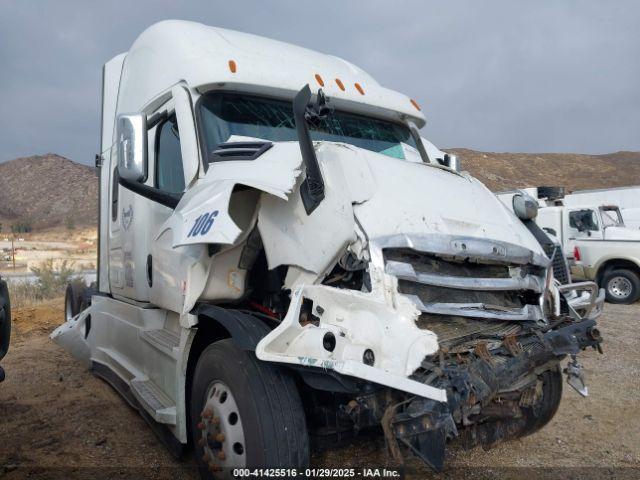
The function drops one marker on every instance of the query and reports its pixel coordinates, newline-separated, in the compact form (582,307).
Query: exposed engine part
(575,376)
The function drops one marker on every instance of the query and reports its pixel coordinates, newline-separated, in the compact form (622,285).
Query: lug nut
(221,455)
(215,420)
(207,414)
(219,437)
(200,426)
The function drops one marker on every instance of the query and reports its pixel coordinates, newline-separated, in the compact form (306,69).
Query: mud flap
(429,446)
(424,428)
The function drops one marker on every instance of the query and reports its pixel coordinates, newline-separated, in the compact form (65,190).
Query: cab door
(138,216)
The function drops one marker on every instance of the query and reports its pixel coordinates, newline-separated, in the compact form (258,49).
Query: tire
(540,414)
(621,286)
(5,319)
(269,423)
(73,300)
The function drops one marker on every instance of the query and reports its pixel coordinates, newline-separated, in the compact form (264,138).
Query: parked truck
(595,238)
(278,265)
(626,198)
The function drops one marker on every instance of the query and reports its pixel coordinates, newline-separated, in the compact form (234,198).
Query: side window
(169,170)
(583,220)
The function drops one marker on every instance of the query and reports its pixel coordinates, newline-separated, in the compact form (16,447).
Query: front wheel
(538,415)
(244,413)
(621,286)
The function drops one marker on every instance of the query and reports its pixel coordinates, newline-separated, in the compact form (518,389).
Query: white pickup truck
(277,264)
(626,198)
(595,239)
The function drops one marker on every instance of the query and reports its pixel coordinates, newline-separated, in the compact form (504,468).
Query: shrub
(50,282)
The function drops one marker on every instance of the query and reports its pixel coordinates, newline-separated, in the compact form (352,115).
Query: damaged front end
(467,333)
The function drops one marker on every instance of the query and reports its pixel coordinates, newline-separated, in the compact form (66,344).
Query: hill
(503,171)
(50,190)
(47,190)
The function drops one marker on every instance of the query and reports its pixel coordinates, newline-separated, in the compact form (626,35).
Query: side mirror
(525,207)
(452,161)
(131,139)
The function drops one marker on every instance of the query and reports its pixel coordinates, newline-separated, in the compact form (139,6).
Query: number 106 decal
(203,224)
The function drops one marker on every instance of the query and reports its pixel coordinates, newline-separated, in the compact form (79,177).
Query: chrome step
(162,339)
(154,401)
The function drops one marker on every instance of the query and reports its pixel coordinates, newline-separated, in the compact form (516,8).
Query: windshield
(611,217)
(225,114)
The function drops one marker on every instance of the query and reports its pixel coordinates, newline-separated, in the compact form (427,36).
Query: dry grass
(51,282)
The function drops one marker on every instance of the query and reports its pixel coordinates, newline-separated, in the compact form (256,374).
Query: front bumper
(424,426)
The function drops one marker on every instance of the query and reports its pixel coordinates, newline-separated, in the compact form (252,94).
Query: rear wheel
(73,300)
(244,413)
(621,286)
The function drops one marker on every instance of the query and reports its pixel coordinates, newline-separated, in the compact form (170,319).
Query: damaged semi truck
(283,261)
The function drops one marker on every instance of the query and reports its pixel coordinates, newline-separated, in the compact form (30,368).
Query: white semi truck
(278,266)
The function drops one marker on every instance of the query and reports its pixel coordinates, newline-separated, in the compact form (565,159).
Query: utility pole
(13,254)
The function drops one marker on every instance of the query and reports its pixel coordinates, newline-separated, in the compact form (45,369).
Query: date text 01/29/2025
(318,473)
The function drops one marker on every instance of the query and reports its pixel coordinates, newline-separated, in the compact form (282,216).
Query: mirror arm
(415,133)
(312,188)
(167,199)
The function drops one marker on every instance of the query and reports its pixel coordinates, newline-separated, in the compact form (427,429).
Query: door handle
(150,270)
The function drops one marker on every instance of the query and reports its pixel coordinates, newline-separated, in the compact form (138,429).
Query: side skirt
(163,433)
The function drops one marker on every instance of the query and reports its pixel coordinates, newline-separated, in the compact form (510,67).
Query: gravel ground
(57,420)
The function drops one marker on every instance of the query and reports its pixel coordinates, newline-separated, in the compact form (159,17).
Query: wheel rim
(620,287)
(222,435)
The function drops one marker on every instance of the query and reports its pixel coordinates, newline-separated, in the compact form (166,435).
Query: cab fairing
(173,51)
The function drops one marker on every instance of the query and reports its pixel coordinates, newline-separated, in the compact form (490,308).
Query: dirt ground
(57,420)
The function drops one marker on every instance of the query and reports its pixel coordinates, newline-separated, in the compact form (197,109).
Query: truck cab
(627,199)
(281,257)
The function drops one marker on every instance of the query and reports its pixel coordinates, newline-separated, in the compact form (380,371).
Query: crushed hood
(386,196)
(393,196)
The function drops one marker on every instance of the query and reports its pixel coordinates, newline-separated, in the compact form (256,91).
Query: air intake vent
(239,151)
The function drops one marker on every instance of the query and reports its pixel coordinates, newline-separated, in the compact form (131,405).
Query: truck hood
(621,233)
(386,196)
(418,199)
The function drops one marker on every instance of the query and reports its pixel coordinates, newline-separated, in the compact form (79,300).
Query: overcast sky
(526,76)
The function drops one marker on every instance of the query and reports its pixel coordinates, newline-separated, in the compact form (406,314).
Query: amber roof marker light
(232,66)
(359,88)
(415,104)
(319,80)
(340,84)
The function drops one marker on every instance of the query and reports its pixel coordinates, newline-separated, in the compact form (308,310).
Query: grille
(559,264)
(462,290)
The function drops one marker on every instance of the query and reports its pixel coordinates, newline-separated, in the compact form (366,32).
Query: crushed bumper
(424,426)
